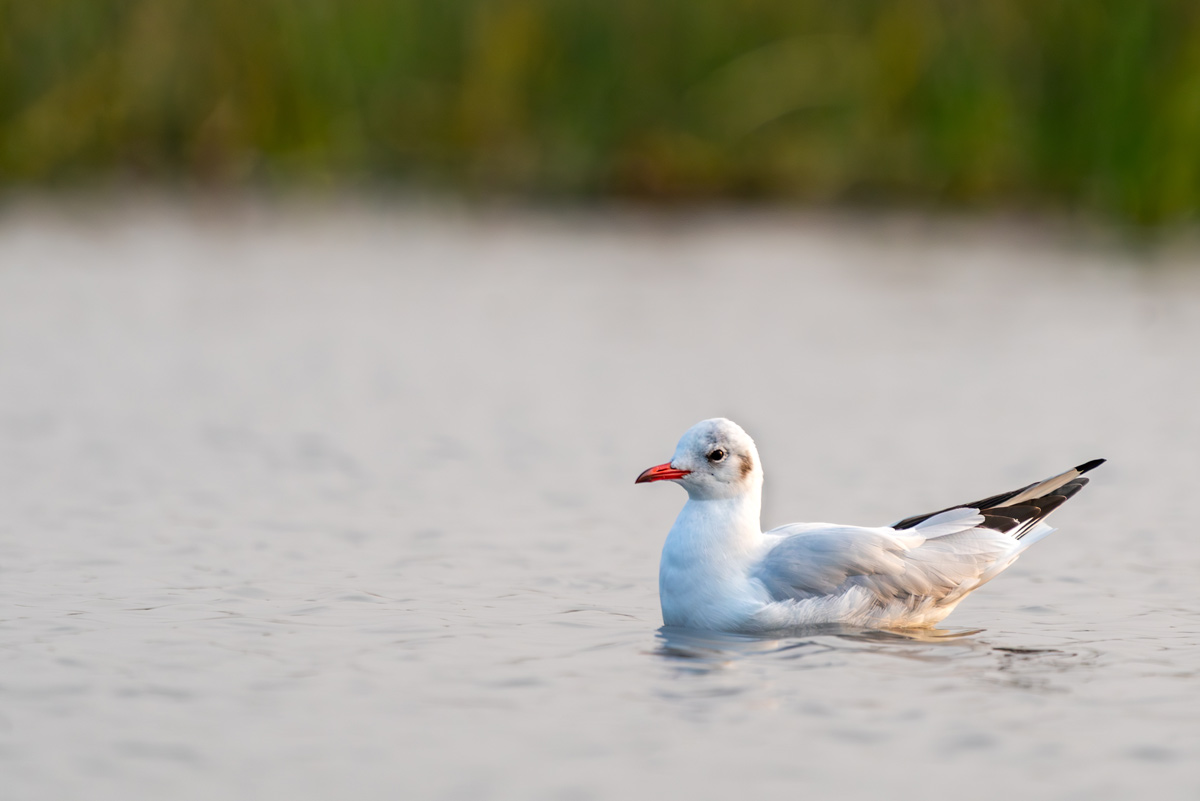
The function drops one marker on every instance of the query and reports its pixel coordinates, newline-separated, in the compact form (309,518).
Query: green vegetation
(1087,104)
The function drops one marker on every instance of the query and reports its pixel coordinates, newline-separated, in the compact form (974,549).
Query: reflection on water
(717,646)
(699,652)
(705,665)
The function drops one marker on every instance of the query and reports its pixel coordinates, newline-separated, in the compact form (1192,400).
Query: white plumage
(719,570)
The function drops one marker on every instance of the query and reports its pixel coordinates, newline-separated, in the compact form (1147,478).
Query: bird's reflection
(705,650)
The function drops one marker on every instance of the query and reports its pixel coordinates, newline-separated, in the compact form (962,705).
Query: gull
(721,571)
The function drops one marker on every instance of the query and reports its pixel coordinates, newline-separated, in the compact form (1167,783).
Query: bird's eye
(716,456)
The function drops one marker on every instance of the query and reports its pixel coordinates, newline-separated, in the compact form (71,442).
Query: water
(337,502)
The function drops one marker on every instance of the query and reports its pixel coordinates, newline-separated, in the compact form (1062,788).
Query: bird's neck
(724,527)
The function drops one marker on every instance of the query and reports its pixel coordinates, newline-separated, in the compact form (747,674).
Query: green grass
(1088,105)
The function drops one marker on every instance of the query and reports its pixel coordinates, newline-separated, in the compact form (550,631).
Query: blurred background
(1069,106)
(333,335)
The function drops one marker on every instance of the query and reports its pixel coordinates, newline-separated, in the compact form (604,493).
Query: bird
(720,571)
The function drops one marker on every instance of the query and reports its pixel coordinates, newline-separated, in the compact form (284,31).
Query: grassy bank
(1081,105)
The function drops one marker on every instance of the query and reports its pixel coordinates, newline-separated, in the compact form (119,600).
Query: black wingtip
(1086,466)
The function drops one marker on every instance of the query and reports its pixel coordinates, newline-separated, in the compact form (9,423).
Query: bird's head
(714,459)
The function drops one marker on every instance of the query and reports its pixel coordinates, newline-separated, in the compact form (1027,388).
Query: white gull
(720,571)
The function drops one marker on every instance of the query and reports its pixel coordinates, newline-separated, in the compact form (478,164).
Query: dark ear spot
(747,464)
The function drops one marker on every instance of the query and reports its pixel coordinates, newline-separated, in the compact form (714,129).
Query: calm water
(338,503)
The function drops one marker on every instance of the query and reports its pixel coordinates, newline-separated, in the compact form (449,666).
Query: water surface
(326,502)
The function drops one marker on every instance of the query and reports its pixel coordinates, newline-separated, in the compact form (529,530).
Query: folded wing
(935,558)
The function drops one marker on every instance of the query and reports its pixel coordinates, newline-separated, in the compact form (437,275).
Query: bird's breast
(699,588)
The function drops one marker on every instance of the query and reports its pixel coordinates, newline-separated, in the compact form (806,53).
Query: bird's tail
(1020,512)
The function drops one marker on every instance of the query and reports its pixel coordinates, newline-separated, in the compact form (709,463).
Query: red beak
(660,472)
